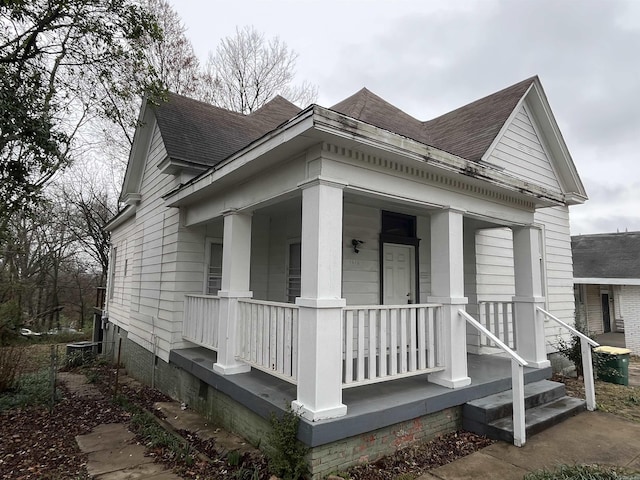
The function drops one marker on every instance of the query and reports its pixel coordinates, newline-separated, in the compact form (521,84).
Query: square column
(447,288)
(320,303)
(529,324)
(236,263)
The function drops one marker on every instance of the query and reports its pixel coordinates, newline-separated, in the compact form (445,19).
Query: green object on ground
(613,364)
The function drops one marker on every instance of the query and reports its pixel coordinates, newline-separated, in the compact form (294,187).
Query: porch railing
(587,364)
(268,337)
(383,342)
(497,317)
(517,380)
(200,320)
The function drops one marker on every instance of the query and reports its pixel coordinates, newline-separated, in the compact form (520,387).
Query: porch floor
(612,339)
(369,407)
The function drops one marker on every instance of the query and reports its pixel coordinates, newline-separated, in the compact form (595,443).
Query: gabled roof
(198,136)
(201,133)
(468,131)
(366,106)
(606,255)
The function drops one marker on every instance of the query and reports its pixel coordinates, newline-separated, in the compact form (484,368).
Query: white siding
(161,263)
(283,228)
(494,256)
(521,152)
(361,271)
(593,309)
(260,244)
(559,269)
(120,300)
(494,265)
(424,234)
(630,307)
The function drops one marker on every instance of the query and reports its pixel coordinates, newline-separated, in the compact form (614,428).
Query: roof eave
(285,132)
(340,125)
(606,281)
(334,124)
(122,216)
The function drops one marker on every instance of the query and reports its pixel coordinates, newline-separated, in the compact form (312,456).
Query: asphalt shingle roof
(197,132)
(469,131)
(606,255)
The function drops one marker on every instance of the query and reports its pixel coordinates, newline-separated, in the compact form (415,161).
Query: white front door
(398,268)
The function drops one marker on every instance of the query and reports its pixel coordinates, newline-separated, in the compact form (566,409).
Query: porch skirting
(381,418)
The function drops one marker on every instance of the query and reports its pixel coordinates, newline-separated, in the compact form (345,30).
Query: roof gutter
(122,216)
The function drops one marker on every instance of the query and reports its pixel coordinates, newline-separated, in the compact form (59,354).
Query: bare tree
(247,71)
(172,56)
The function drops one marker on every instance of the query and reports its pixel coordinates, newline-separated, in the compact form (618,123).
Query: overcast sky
(430,57)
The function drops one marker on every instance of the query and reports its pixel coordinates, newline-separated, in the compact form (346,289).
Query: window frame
(287,269)
(207,264)
(112,277)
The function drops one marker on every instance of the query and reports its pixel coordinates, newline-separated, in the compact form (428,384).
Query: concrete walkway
(588,438)
(112,456)
(111,453)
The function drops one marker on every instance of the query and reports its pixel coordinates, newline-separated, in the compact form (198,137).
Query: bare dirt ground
(38,444)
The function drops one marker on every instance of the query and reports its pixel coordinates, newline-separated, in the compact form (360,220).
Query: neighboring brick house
(607,283)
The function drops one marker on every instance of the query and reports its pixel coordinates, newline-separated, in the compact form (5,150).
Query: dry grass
(617,399)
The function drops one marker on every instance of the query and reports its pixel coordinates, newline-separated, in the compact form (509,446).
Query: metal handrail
(493,338)
(517,381)
(587,364)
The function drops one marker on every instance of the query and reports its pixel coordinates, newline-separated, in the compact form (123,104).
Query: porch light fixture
(356,243)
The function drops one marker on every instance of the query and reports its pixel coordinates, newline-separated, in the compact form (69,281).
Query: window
(213,273)
(112,266)
(294,271)
(398,224)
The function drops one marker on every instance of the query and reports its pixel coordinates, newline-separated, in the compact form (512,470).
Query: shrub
(10,358)
(571,349)
(287,455)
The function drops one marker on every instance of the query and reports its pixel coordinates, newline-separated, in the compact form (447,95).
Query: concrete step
(493,407)
(545,405)
(538,418)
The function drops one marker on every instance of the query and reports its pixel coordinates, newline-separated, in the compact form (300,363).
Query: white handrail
(590,341)
(493,338)
(587,364)
(517,381)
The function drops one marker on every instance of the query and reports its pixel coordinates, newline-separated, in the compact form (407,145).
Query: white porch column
(320,303)
(236,262)
(447,287)
(530,335)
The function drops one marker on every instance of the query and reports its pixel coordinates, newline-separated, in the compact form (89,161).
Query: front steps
(545,402)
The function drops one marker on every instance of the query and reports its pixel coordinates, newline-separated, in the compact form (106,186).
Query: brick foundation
(224,411)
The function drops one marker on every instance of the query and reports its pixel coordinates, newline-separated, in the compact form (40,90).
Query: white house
(317,257)
(607,284)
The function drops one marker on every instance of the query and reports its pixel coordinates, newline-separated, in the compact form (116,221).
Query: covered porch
(331,291)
